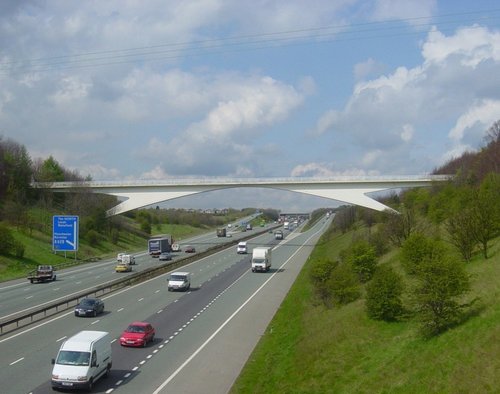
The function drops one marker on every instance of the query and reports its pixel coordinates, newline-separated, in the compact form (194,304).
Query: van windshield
(70,357)
(258,261)
(178,278)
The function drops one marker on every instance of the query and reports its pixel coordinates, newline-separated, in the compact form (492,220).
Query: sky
(129,89)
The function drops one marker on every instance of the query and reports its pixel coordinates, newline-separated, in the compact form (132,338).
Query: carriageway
(141,193)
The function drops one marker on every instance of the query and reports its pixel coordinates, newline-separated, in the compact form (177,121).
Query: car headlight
(81,378)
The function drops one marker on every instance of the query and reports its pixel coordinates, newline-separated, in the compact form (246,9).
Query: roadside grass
(308,348)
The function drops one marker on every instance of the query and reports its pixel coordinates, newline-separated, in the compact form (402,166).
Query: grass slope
(310,349)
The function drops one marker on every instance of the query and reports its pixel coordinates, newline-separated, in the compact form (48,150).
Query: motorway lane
(209,352)
(22,296)
(25,355)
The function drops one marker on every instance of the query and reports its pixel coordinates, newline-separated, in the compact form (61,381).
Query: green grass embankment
(308,348)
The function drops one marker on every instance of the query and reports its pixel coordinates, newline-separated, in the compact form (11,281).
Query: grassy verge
(310,349)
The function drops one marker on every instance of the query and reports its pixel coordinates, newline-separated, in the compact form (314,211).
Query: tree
(7,241)
(460,228)
(486,211)
(419,248)
(400,226)
(383,295)
(320,273)
(441,282)
(363,259)
(343,285)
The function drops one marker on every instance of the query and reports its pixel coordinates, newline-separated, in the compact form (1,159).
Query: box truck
(261,259)
(157,246)
(82,360)
(221,232)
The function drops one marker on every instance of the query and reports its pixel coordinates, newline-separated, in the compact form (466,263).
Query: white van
(179,281)
(82,360)
(242,248)
(128,259)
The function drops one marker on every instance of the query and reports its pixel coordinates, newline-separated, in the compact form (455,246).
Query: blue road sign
(65,233)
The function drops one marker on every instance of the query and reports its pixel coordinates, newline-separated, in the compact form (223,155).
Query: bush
(92,237)
(7,240)
(418,248)
(362,257)
(441,283)
(320,274)
(383,295)
(18,249)
(343,285)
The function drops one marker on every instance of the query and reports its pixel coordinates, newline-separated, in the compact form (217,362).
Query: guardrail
(16,322)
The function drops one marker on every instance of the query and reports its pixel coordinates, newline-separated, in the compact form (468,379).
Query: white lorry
(82,360)
(261,259)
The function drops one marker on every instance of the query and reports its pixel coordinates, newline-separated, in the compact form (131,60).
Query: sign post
(65,233)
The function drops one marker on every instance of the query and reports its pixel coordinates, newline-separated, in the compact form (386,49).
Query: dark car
(137,334)
(89,307)
(190,249)
(165,256)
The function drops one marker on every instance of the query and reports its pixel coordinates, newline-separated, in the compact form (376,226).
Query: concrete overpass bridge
(138,194)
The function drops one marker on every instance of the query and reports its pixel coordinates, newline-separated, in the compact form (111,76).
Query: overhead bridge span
(141,193)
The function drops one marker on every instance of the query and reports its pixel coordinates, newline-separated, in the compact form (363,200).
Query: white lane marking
(119,382)
(121,309)
(127,375)
(149,356)
(114,340)
(57,288)
(157,291)
(79,282)
(143,362)
(95,322)
(140,299)
(109,391)
(135,369)
(15,362)
(155,351)
(62,338)
(27,298)
(160,311)
(204,344)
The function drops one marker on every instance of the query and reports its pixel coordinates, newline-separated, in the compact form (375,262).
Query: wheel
(90,386)
(106,374)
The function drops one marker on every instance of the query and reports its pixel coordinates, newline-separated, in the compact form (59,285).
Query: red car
(137,334)
(190,249)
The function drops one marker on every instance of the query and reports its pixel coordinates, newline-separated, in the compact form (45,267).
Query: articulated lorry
(221,232)
(261,259)
(157,246)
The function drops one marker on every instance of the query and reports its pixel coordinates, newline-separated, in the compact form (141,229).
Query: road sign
(65,233)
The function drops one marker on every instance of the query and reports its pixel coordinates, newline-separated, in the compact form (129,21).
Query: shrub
(92,237)
(18,249)
(362,257)
(418,248)
(383,295)
(343,285)
(320,274)
(7,241)
(440,283)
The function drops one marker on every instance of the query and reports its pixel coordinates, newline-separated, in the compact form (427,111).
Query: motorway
(20,296)
(203,336)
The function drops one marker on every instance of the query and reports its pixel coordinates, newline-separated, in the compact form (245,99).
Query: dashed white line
(114,340)
(27,298)
(15,362)
(160,311)
(143,362)
(127,375)
(119,382)
(95,322)
(57,288)
(121,309)
(135,369)
(62,338)
(149,356)
(109,391)
(157,291)
(140,299)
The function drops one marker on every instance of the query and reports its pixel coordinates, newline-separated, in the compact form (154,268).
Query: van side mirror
(94,363)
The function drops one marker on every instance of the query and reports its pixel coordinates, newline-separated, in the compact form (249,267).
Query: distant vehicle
(248,226)
(128,259)
(261,259)
(119,256)
(89,307)
(286,225)
(229,225)
(176,247)
(137,334)
(229,235)
(242,248)
(82,360)
(278,234)
(157,246)
(190,249)
(165,256)
(43,273)
(179,281)
(121,267)
(221,232)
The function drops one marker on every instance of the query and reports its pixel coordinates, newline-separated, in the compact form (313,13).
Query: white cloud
(393,113)
(368,68)
(324,170)
(157,173)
